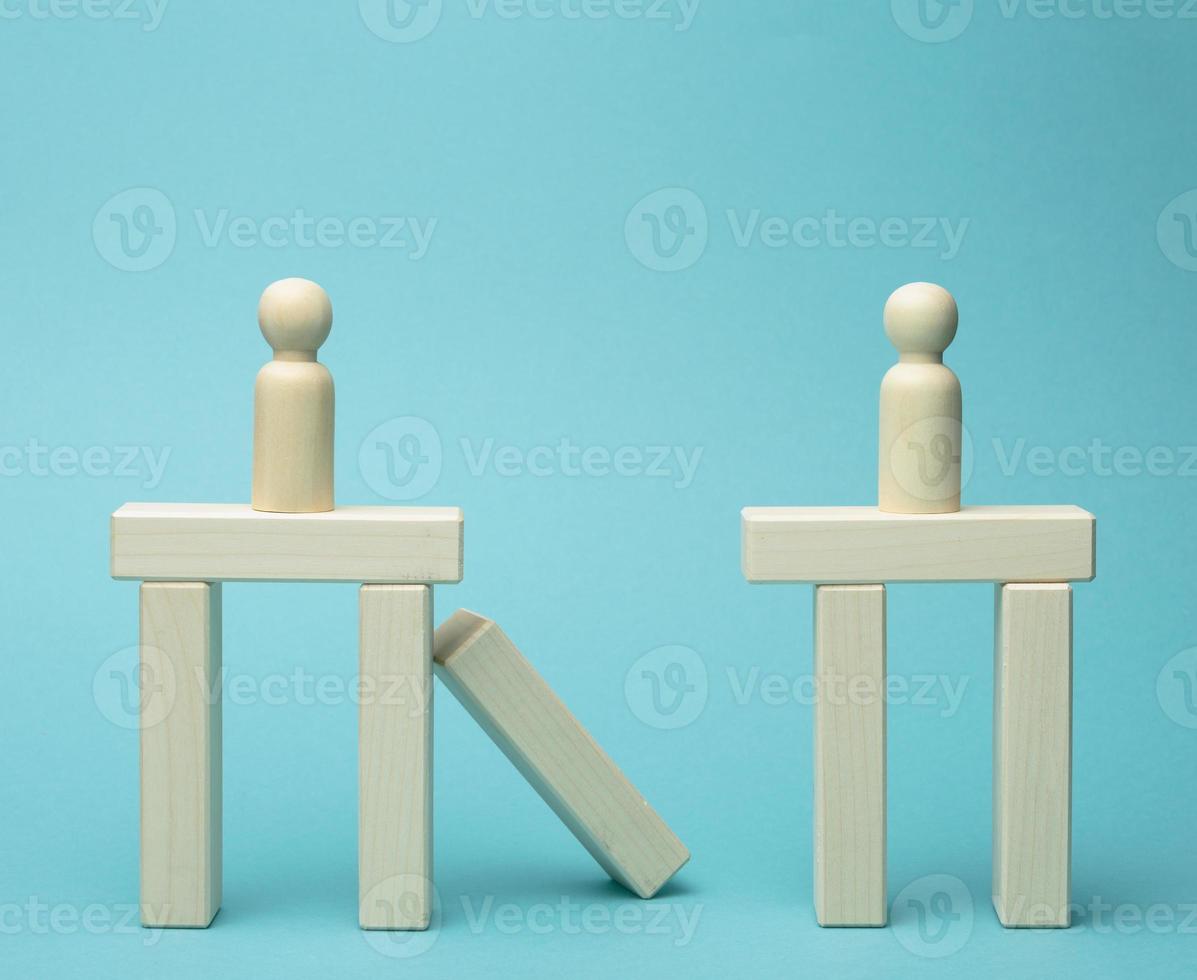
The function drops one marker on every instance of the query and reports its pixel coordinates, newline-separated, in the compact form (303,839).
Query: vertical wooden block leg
(1032,755)
(180,688)
(395,758)
(850,755)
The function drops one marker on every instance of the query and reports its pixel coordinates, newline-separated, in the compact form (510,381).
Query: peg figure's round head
(921,318)
(295,315)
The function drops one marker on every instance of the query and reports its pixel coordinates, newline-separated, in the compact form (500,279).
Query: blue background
(539,312)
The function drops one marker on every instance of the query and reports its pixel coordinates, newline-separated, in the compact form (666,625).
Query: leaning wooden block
(234,542)
(180,754)
(1032,755)
(572,774)
(395,758)
(850,755)
(864,545)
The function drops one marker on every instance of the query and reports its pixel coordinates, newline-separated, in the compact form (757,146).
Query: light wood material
(850,763)
(180,689)
(294,403)
(1032,755)
(572,774)
(395,758)
(233,542)
(920,434)
(863,545)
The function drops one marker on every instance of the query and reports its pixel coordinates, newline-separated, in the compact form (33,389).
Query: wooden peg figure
(293,403)
(920,433)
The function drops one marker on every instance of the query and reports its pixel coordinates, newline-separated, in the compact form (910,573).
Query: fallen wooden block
(235,543)
(864,545)
(547,744)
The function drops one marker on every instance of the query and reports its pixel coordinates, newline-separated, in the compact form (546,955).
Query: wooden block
(294,402)
(572,774)
(180,687)
(395,758)
(1032,755)
(863,545)
(233,542)
(850,755)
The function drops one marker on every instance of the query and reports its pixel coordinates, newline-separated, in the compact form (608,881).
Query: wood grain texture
(573,775)
(395,758)
(850,763)
(233,542)
(863,545)
(180,687)
(1032,755)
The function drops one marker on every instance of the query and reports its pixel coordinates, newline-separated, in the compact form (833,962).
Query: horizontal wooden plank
(864,546)
(233,542)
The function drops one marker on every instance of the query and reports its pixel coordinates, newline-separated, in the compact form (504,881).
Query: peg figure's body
(294,403)
(920,432)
